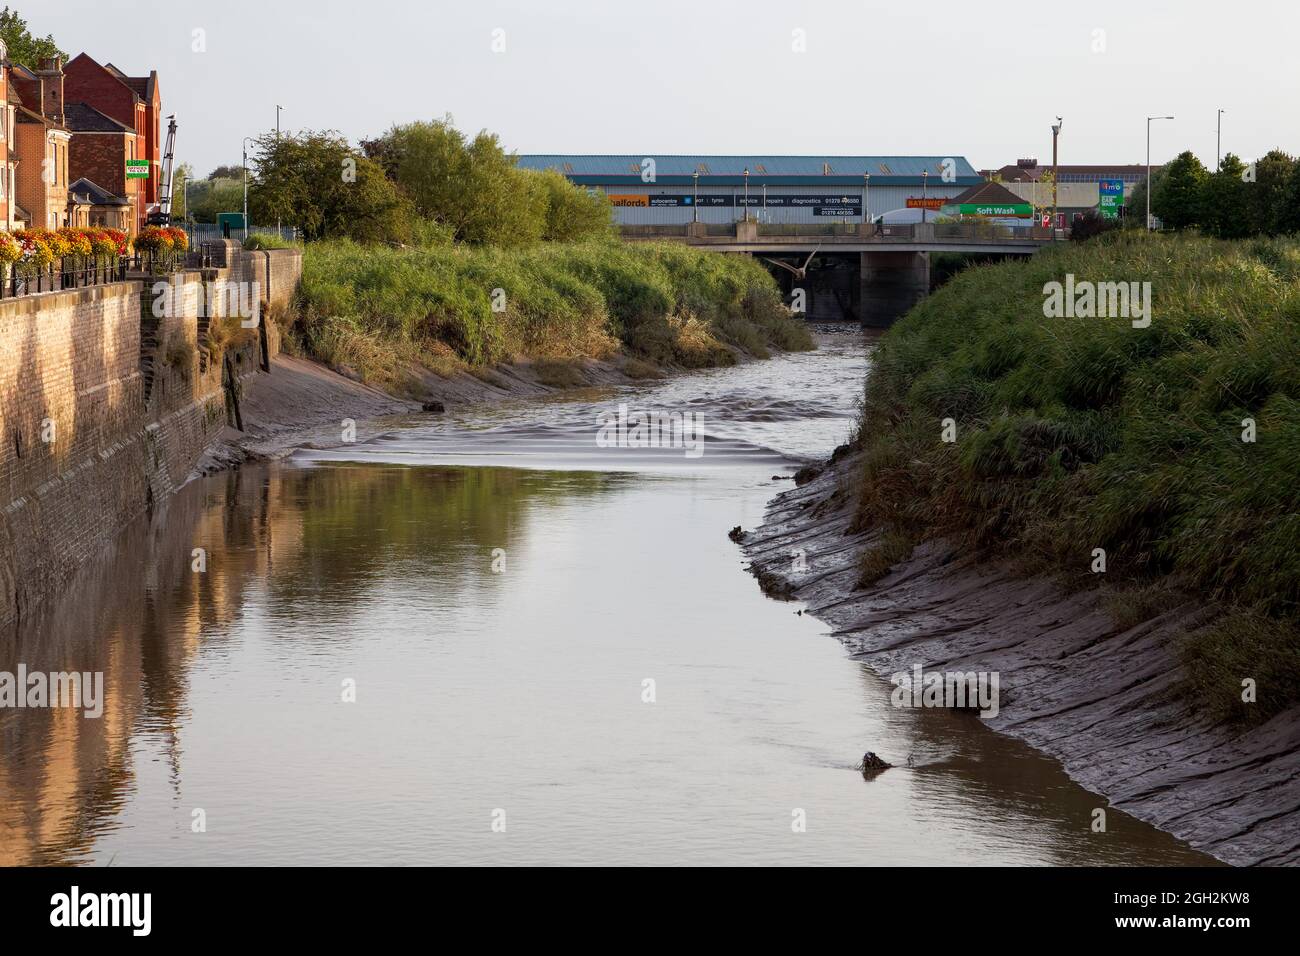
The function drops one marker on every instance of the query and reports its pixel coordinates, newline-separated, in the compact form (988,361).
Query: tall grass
(1076,433)
(375,307)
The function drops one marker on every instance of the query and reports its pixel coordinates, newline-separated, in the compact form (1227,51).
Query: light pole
(245,152)
(1218,141)
(1149,119)
(1056,131)
(866,194)
(278,107)
(925,192)
(746,194)
(695,215)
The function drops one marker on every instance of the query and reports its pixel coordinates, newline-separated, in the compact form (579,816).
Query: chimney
(51,81)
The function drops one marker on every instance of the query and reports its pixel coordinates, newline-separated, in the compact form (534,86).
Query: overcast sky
(716,76)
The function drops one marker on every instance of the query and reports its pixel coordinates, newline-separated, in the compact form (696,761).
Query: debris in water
(872,764)
(736,534)
(434,407)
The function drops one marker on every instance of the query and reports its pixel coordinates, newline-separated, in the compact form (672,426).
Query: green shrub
(665,303)
(1079,433)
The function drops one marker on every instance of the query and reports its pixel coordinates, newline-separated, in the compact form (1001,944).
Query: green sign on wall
(137,169)
(994,209)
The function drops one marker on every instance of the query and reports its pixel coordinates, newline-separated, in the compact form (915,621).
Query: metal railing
(852,231)
(73,272)
(200,232)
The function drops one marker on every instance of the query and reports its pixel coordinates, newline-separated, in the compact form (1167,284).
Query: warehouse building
(669,190)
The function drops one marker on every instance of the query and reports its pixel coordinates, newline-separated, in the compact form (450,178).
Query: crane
(162,215)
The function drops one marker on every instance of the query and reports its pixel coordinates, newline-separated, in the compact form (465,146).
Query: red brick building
(133,102)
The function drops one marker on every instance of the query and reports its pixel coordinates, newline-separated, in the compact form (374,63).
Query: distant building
(101,147)
(652,190)
(8,150)
(1078,187)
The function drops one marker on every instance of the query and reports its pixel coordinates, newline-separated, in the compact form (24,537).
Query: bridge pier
(891,283)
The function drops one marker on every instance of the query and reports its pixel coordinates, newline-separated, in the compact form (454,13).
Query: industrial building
(667,190)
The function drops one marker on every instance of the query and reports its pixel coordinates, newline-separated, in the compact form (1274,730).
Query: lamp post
(1056,132)
(866,194)
(1149,119)
(925,192)
(695,213)
(1218,141)
(245,152)
(746,194)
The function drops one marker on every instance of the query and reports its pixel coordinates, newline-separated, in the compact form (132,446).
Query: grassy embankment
(1077,433)
(382,311)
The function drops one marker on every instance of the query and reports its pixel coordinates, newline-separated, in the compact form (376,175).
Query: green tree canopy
(22,46)
(316,181)
(1223,204)
(1177,200)
(1267,193)
(474,187)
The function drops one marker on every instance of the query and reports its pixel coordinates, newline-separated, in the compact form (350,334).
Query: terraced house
(40,144)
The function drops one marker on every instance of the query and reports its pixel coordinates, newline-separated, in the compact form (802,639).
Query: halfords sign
(821,205)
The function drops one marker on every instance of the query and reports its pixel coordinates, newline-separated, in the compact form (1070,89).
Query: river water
(483,638)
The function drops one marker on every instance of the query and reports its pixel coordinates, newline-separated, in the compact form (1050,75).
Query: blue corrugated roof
(676,165)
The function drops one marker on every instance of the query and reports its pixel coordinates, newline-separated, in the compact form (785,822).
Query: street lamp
(1149,119)
(866,207)
(1056,175)
(1218,141)
(746,194)
(245,152)
(925,191)
(695,215)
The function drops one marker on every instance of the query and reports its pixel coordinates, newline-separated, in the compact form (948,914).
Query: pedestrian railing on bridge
(756,233)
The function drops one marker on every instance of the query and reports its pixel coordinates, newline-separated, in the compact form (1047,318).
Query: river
(483,638)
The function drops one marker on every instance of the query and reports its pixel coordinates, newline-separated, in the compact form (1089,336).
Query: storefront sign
(137,169)
(934,205)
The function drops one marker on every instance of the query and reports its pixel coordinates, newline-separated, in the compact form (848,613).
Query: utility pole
(1056,174)
(1218,141)
(1149,119)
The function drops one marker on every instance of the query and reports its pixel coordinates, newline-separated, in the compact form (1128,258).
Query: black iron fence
(75,272)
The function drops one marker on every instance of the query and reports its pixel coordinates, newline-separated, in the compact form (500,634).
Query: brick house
(8,150)
(100,149)
(134,102)
(41,142)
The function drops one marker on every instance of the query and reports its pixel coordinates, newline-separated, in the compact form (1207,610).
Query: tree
(1266,195)
(22,46)
(1291,214)
(1177,201)
(1136,204)
(183,175)
(318,182)
(1223,202)
(573,213)
(232,171)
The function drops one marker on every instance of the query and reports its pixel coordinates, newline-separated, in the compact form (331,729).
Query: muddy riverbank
(1097,697)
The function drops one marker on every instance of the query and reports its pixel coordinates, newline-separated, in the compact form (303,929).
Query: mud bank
(303,404)
(1098,698)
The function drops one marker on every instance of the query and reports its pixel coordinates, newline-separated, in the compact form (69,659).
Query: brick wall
(105,406)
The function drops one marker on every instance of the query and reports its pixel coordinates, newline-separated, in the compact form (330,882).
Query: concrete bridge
(888,265)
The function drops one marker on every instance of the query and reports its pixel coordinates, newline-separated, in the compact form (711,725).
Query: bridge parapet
(760,235)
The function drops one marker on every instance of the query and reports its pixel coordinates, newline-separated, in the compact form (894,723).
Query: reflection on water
(520,690)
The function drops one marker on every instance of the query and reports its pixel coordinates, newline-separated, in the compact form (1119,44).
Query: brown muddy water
(515,693)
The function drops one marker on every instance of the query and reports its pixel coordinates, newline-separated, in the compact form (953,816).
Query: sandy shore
(1098,698)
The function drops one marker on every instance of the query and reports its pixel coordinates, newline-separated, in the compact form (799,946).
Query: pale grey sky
(717,76)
